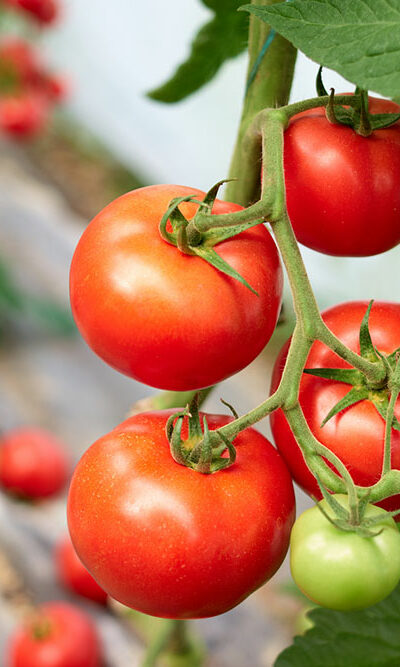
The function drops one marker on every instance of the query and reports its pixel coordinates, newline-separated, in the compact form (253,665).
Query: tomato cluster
(28,90)
(159,536)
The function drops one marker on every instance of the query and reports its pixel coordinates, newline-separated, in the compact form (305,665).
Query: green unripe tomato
(342,570)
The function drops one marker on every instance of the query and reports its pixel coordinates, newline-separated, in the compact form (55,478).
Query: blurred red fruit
(58,635)
(44,11)
(33,463)
(74,575)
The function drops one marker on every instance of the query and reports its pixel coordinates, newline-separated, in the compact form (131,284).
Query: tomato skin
(342,189)
(168,319)
(342,570)
(356,435)
(169,541)
(33,463)
(73,574)
(71,640)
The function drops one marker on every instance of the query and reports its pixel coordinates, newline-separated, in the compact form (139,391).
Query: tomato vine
(266,117)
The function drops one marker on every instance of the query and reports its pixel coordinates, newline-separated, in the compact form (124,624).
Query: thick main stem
(269,89)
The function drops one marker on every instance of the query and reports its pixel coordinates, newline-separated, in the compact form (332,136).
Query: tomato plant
(33,463)
(58,635)
(341,569)
(168,319)
(73,574)
(342,189)
(356,434)
(179,544)
(188,528)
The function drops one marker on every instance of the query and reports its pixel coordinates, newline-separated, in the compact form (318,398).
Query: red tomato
(44,11)
(18,59)
(23,116)
(356,434)
(168,319)
(342,190)
(59,635)
(169,541)
(33,463)
(74,575)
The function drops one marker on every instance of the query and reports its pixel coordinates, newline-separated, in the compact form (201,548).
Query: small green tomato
(342,570)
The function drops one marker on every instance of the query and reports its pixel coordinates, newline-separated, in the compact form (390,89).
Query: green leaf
(222,38)
(366,638)
(359,39)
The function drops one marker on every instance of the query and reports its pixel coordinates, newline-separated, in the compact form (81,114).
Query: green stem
(270,88)
(159,643)
(173,642)
(167,400)
(395,391)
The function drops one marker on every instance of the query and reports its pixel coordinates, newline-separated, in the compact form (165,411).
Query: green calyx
(357,116)
(188,237)
(353,518)
(203,450)
(41,628)
(362,389)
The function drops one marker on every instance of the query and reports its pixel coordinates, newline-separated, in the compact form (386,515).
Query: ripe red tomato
(59,635)
(23,116)
(356,434)
(342,190)
(18,60)
(33,463)
(44,11)
(74,575)
(168,319)
(169,541)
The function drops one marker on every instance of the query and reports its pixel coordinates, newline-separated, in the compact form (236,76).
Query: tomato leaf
(359,39)
(366,638)
(222,38)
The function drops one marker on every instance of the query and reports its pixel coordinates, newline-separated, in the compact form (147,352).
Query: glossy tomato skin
(168,319)
(73,574)
(342,570)
(356,434)
(70,639)
(342,189)
(33,463)
(169,541)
